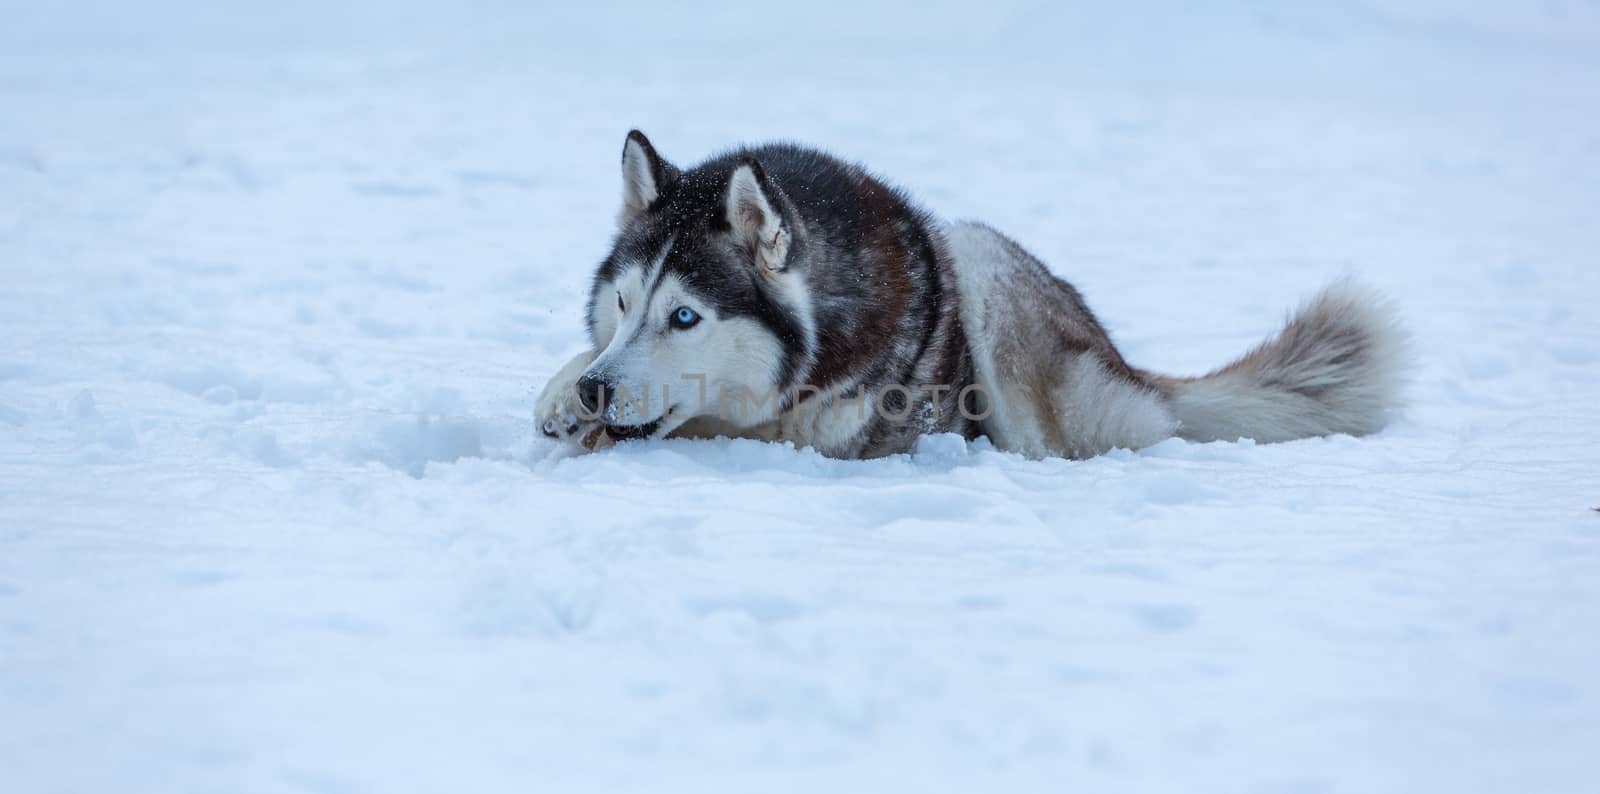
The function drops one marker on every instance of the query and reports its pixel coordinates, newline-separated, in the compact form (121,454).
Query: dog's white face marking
(668,356)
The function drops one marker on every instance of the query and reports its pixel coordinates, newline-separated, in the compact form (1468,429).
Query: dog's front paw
(557,416)
(565,427)
(556,412)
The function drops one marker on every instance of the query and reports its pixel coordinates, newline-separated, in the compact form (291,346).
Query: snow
(280,284)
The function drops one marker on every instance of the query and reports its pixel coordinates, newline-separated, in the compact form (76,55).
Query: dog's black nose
(592,394)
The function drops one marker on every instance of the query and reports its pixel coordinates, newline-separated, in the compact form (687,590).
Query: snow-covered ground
(281,280)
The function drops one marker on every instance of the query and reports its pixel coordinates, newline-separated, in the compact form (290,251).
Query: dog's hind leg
(1054,383)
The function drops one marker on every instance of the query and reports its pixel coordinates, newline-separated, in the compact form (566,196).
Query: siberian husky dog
(776,292)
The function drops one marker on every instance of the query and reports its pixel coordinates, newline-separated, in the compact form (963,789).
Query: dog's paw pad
(560,428)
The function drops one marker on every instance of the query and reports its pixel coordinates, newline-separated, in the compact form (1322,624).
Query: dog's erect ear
(644,176)
(753,213)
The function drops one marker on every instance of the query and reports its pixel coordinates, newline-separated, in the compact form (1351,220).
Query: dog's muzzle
(593,395)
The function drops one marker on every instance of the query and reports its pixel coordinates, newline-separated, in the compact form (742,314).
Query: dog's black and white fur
(776,292)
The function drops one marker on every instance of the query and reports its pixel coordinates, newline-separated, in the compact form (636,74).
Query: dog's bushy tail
(1337,367)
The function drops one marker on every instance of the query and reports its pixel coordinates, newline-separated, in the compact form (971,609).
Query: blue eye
(684,317)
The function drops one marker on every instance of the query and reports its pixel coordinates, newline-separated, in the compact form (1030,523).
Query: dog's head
(701,308)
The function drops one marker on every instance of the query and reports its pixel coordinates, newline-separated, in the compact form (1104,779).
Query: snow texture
(280,281)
